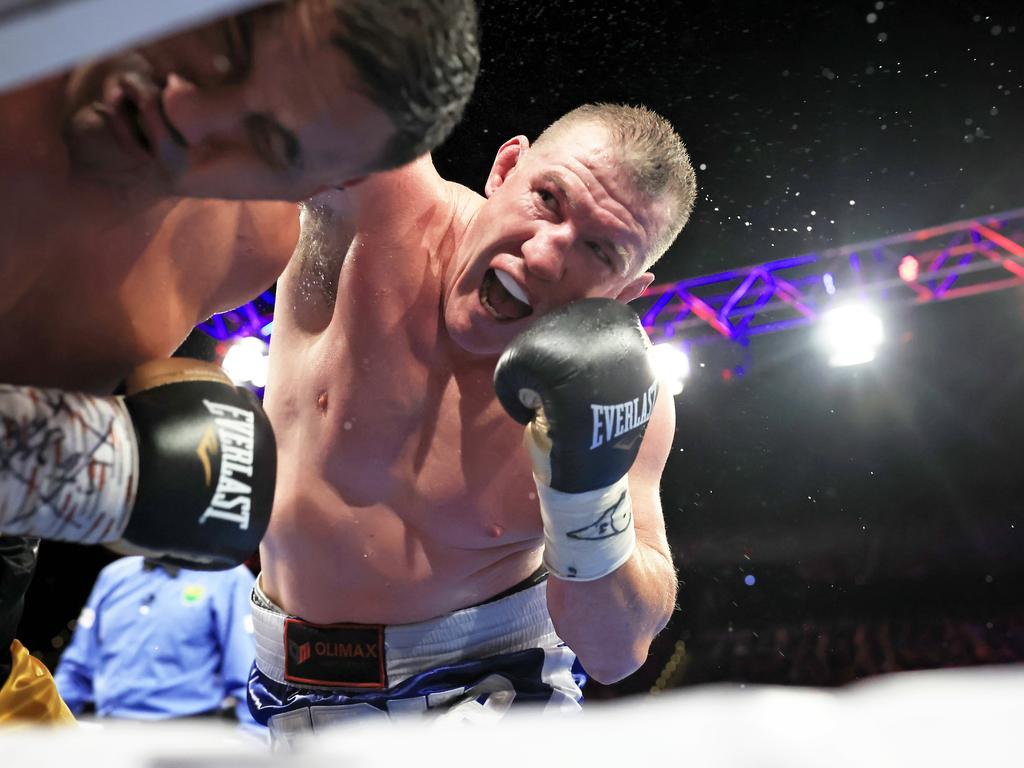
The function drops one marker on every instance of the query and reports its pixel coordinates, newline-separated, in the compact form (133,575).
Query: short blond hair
(653,152)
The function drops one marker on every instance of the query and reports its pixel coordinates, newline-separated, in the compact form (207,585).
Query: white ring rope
(43,37)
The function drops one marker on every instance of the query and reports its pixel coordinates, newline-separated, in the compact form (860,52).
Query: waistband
(504,625)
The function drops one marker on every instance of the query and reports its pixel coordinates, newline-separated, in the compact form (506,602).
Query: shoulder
(410,202)
(400,192)
(226,252)
(122,565)
(252,225)
(119,569)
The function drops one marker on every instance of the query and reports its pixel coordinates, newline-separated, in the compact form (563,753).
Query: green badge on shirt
(192,594)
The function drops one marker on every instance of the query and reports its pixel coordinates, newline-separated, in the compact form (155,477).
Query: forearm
(67,465)
(74,683)
(181,467)
(610,622)
(597,436)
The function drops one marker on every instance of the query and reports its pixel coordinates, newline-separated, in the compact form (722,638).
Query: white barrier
(42,37)
(947,718)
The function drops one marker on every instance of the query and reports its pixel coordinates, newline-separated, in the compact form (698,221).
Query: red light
(909,269)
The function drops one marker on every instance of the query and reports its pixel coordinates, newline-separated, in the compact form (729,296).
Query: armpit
(324,241)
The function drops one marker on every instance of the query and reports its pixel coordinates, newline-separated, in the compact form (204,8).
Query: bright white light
(851,335)
(671,366)
(246,361)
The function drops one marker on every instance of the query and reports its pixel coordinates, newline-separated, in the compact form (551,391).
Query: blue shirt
(151,644)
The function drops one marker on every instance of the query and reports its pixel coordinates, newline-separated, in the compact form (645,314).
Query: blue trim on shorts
(522,670)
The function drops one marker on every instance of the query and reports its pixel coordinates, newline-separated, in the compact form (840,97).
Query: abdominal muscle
(371,566)
(408,497)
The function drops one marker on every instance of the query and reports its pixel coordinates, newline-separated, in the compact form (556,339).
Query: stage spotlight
(851,335)
(671,366)
(909,269)
(246,362)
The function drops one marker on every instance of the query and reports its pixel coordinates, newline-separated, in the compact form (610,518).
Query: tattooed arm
(62,475)
(182,468)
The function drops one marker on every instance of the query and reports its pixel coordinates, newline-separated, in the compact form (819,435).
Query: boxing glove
(581,380)
(181,468)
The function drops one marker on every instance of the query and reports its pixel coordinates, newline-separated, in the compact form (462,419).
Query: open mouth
(503,297)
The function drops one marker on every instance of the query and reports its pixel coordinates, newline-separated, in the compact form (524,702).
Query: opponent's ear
(635,288)
(508,157)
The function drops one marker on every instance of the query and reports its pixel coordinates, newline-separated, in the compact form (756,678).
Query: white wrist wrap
(587,535)
(68,465)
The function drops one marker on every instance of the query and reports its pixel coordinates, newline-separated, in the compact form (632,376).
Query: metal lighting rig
(940,263)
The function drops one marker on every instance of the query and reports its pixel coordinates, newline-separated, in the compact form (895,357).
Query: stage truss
(951,261)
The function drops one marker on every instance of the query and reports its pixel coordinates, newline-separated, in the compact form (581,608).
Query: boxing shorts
(471,664)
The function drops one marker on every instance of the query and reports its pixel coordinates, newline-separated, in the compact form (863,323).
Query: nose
(545,252)
(201,113)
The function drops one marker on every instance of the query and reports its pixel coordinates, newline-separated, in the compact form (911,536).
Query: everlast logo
(613,421)
(207,445)
(232,498)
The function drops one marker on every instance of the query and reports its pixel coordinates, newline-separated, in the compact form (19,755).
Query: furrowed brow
(622,252)
(556,182)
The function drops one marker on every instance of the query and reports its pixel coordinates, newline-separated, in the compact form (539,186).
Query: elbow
(615,659)
(611,668)
(611,657)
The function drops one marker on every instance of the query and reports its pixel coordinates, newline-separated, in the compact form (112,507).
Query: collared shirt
(154,643)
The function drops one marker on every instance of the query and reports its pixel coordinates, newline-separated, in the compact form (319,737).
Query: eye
(600,253)
(274,143)
(547,199)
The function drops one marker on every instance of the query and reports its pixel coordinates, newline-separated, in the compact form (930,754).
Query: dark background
(878,509)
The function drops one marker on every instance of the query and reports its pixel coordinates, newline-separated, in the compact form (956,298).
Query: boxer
(418,559)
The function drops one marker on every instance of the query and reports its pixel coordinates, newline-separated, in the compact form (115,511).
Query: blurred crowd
(839,652)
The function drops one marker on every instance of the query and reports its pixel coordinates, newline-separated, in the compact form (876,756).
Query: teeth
(512,286)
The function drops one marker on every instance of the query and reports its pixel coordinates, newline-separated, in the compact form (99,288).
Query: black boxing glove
(582,381)
(181,468)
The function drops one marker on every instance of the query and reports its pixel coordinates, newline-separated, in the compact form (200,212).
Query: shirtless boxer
(125,222)
(402,565)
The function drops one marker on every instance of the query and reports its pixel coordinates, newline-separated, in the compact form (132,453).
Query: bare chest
(434,441)
(397,426)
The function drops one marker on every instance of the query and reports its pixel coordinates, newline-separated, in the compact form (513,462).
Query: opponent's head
(278,102)
(584,211)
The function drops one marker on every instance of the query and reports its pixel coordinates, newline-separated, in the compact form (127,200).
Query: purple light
(651,315)
(739,293)
(952,276)
(749,580)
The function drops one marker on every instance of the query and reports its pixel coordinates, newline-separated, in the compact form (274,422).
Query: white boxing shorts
(471,664)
